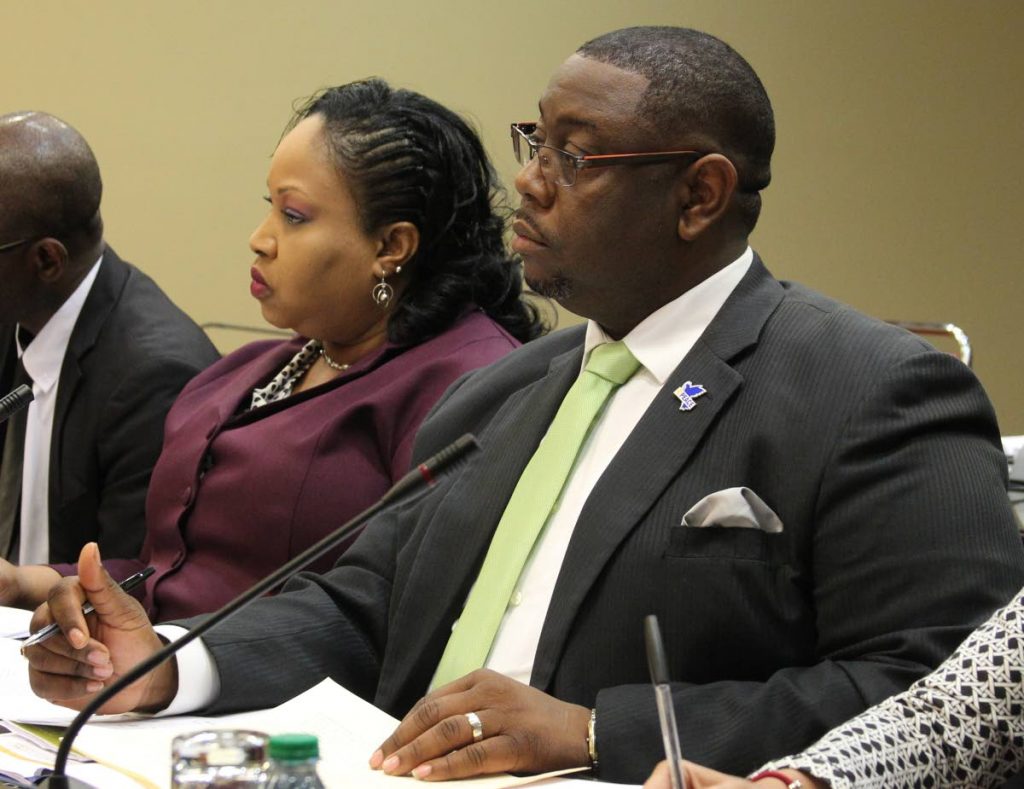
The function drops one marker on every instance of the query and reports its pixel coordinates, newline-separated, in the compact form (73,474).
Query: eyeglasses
(15,244)
(561,167)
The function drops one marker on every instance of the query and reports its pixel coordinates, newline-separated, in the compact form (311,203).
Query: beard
(557,286)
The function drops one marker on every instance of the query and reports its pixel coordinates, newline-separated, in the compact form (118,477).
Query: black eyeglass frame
(522,132)
(15,244)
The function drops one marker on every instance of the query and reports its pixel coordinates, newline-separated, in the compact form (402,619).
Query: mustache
(530,222)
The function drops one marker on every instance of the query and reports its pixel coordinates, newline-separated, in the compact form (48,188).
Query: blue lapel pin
(688,394)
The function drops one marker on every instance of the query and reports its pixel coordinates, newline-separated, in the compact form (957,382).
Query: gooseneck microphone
(421,477)
(12,403)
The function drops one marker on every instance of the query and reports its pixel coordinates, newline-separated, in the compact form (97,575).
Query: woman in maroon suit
(383,250)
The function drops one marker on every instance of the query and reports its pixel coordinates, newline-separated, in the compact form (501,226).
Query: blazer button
(186,497)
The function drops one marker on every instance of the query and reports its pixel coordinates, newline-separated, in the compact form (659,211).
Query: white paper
(23,758)
(14,622)
(19,702)
(349,730)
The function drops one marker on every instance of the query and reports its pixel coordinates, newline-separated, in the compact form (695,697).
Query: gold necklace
(330,362)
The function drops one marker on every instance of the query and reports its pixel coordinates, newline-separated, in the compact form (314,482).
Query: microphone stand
(422,476)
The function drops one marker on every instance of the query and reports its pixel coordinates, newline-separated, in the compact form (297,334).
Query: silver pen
(658,665)
(49,631)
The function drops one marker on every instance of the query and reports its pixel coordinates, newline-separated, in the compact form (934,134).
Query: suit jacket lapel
(8,358)
(8,353)
(104,295)
(654,454)
(460,531)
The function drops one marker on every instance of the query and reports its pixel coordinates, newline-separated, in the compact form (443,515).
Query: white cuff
(198,680)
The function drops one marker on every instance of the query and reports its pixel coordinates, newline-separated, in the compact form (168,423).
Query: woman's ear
(705,192)
(398,244)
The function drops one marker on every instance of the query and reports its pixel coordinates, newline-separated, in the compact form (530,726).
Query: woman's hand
(698,777)
(25,587)
(9,587)
(90,652)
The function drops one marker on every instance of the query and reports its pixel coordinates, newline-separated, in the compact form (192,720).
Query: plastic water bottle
(293,759)
(222,758)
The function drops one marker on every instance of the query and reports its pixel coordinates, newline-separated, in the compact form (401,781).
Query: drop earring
(382,292)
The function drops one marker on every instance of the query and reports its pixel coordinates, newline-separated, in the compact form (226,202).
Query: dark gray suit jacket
(879,454)
(129,355)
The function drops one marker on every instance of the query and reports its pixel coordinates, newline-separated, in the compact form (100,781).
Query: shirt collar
(45,354)
(661,340)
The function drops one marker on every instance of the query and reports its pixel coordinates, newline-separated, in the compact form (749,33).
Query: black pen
(127,585)
(658,665)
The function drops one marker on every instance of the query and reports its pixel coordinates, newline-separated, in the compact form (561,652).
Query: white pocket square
(733,507)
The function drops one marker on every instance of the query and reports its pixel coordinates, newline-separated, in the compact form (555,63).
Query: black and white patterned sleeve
(962,725)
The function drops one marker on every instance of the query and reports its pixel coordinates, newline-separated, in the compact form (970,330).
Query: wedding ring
(478,727)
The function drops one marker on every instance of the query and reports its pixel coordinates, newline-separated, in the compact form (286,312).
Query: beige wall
(899,171)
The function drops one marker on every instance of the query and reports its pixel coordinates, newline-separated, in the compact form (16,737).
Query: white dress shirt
(43,360)
(659,343)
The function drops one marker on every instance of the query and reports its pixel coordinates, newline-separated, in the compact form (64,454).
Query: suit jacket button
(186,497)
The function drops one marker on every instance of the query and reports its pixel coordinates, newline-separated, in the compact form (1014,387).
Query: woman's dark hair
(407,158)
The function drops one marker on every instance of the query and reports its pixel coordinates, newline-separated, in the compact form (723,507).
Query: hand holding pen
(129,583)
(92,651)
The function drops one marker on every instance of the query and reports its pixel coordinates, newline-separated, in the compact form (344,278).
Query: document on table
(18,702)
(349,730)
(14,622)
(23,758)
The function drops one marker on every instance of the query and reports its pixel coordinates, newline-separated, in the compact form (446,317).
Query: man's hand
(524,731)
(25,587)
(90,652)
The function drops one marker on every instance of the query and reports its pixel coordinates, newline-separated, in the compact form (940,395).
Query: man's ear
(398,244)
(50,259)
(706,190)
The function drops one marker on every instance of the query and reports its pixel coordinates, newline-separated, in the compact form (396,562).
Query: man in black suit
(106,352)
(811,501)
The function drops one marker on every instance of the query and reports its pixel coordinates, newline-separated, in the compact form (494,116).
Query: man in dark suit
(105,350)
(812,502)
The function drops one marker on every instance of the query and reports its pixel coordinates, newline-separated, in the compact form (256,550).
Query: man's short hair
(52,183)
(700,93)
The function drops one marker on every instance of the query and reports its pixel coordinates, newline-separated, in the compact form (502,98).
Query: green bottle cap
(294,747)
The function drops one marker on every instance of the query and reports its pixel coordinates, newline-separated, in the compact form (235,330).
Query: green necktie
(532,502)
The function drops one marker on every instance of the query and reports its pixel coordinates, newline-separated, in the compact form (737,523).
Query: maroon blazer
(237,493)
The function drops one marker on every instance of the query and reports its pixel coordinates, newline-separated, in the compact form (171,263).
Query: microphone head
(450,455)
(12,403)
(438,464)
